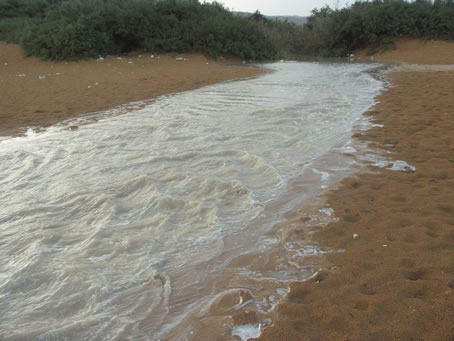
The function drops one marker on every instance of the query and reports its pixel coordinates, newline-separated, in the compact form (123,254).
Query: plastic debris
(21,75)
(42,77)
(355,236)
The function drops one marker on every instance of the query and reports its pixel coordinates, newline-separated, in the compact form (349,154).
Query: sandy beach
(37,93)
(395,279)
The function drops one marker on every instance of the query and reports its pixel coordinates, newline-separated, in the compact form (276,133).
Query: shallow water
(104,229)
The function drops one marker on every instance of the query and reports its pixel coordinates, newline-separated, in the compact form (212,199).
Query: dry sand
(67,90)
(414,51)
(396,280)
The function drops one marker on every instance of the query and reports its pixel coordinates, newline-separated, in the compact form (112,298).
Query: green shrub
(373,23)
(74,29)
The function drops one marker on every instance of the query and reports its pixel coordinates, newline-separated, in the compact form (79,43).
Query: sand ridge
(37,93)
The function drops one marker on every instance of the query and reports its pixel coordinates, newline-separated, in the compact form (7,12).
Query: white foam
(327,210)
(323,175)
(402,166)
(247,331)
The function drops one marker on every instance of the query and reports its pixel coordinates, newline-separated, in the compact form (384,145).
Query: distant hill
(290,18)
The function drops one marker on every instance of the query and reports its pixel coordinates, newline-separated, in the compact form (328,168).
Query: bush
(74,29)
(371,23)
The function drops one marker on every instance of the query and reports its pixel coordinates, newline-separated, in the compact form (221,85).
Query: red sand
(396,280)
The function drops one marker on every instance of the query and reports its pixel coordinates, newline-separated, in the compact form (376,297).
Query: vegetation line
(75,29)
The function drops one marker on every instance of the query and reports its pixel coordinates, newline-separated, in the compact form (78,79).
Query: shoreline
(39,93)
(394,278)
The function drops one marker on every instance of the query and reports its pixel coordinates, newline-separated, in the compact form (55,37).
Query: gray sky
(281,7)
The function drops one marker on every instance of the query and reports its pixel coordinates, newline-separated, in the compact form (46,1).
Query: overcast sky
(281,7)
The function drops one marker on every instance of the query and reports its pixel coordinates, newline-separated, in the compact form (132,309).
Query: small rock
(42,77)
(100,59)
(355,236)
(6,64)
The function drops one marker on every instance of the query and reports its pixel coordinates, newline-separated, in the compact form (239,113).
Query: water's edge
(163,232)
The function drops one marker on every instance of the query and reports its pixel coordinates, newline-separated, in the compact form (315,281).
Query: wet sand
(37,93)
(395,281)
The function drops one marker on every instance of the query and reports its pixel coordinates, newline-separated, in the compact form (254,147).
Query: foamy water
(104,229)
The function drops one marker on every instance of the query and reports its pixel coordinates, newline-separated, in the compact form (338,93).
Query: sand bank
(414,51)
(37,93)
(395,281)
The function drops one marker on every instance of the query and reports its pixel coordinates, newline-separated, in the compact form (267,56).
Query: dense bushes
(74,29)
(338,32)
